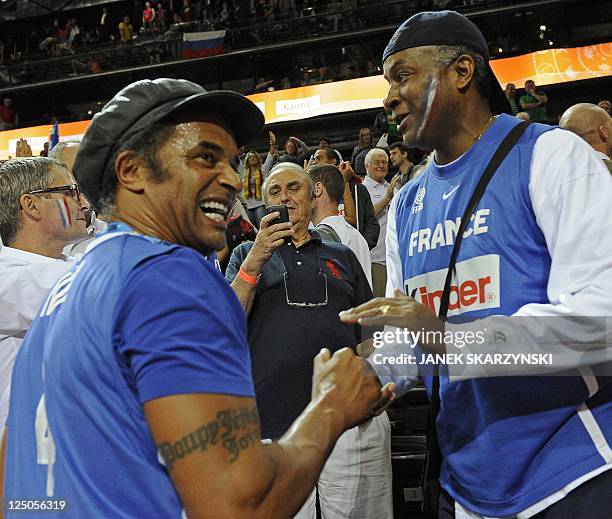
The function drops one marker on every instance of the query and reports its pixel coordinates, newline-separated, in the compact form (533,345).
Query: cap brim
(242,116)
(497,99)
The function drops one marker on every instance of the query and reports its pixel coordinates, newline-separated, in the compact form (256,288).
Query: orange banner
(552,66)
(546,67)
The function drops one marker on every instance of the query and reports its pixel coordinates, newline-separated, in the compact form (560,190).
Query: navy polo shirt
(284,339)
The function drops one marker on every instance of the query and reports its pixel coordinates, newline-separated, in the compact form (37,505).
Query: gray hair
(444,55)
(58,149)
(281,166)
(17,177)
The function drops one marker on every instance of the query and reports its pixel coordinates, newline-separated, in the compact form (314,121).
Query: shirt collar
(602,155)
(370,182)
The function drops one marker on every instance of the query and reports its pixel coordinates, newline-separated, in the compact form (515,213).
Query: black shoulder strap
(502,152)
(434,456)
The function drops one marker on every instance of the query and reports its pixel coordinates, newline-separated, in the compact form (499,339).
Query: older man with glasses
(292,286)
(41,211)
(381,193)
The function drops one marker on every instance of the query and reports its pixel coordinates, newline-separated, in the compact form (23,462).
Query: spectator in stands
(330,190)
(511,97)
(400,160)
(594,125)
(296,151)
(148,18)
(365,142)
(126,31)
(381,193)
(292,302)
(356,205)
(7,114)
(606,105)
(161,17)
(253,174)
(324,143)
(34,231)
(103,28)
(186,12)
(534,103)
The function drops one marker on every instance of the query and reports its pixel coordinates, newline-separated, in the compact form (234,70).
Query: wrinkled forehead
(285,177)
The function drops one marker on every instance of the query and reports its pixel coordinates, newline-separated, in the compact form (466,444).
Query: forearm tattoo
(236,430)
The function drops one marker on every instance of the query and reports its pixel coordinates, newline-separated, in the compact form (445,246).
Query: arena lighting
(546,67)
(542,27)
(500,50)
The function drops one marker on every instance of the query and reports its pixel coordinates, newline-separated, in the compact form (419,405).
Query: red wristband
(247,278)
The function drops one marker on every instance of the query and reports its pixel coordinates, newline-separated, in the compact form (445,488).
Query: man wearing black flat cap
(132,394)
(534,242)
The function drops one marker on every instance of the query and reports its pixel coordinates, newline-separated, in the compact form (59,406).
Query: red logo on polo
(475,287)
(333,269)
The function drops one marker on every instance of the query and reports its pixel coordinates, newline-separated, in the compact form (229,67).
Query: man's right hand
(348,386)
(269,238)
(347,171)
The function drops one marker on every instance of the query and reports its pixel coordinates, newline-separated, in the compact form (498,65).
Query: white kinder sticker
(475,286)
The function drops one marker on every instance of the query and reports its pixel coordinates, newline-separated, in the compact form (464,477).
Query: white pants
(356,481)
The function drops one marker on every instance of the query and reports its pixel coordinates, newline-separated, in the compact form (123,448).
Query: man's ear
(30,205)
(131,171)
(464,68)
(318,190)
(602,131)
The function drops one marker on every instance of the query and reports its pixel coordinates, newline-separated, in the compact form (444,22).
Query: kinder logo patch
(475,287)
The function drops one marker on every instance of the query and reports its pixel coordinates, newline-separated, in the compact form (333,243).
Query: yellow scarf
(246,188)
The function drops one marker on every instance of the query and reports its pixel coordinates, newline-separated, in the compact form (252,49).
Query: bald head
(590,122)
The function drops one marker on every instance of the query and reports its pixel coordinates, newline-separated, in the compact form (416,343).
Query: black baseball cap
(145,102)
(447,28)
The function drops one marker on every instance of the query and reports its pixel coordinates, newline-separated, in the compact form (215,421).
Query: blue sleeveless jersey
(76,429)
(508,442)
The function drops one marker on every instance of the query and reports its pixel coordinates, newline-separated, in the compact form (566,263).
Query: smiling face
(290,188)
(419,96)
(191,205)
(377,165)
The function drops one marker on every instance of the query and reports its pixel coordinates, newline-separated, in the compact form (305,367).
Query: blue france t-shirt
(136,319)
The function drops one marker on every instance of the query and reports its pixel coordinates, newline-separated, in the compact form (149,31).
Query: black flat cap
(447,28)
(145,102)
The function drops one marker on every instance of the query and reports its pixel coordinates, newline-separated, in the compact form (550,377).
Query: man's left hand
(401,311)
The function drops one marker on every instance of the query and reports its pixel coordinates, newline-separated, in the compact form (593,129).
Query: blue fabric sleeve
(179,328)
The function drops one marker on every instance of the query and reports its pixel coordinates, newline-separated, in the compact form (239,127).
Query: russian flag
(201,44)
(54,137)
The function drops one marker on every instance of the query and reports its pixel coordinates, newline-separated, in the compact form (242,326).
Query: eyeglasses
(72,190)
(305,304)
(379,162)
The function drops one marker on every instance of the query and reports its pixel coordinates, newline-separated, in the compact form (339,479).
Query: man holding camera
(534,103)
(292,291)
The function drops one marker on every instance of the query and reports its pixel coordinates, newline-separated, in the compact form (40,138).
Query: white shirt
(25,279)
(378,191)
(353,239)
(570,189)
(602,155)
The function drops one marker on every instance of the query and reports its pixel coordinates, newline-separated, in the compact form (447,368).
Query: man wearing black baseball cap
(133,393)
(532,242)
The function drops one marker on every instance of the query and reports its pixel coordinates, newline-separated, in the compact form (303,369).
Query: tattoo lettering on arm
(237,430)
